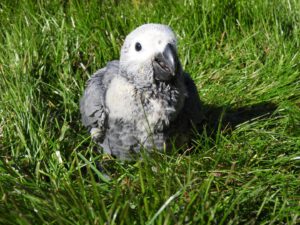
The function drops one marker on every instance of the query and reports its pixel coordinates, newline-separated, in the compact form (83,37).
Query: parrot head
(149,54)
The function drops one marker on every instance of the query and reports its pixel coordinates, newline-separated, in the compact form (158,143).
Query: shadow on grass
(226,118)
(216,119)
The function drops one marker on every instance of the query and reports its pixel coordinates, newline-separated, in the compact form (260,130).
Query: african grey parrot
(144,100)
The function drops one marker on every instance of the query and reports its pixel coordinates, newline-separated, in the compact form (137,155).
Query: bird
(144,100)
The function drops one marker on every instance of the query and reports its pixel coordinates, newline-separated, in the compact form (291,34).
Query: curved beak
(165,64)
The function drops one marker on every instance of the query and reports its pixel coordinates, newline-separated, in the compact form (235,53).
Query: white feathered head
(149,53)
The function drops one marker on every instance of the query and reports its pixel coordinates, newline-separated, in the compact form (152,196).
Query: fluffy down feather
(145,100)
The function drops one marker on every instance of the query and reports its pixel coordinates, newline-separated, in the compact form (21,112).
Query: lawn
(244,167)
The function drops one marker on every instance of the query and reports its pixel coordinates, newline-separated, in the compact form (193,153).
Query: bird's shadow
(216,118)
(227,118)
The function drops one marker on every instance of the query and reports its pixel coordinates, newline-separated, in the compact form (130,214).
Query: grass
(244,57)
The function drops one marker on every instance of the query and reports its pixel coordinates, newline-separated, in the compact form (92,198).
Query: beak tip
(166,63)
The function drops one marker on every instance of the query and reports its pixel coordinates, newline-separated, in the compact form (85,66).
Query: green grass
(244,57)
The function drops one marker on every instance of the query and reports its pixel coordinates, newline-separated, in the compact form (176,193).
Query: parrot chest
(144,111)
(120,100)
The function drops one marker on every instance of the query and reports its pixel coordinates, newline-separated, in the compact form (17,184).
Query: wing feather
(193,107)
(92,104)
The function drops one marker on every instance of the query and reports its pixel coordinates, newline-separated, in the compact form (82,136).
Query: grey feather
(92,103)
(145,100)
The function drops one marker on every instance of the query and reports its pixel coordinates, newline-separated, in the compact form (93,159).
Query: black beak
(165,64)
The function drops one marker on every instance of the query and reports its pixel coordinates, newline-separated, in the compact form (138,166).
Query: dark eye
(138,46)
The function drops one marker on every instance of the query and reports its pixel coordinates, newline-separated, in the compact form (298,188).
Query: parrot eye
(138,47)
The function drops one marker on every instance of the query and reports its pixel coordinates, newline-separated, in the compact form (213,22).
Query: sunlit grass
(244,57)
